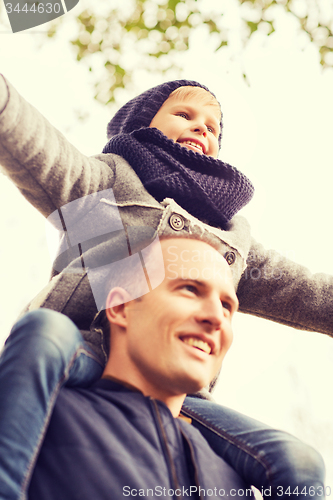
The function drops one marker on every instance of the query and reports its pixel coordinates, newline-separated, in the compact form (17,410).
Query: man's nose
(211,314)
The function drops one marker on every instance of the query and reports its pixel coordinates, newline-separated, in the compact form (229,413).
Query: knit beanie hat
(140,111)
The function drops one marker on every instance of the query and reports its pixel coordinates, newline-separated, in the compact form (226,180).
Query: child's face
(191,122)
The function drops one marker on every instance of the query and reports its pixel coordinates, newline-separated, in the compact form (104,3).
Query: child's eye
(226,306)
(211,129)
(182,115)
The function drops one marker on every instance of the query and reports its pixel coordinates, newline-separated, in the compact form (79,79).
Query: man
(121,437)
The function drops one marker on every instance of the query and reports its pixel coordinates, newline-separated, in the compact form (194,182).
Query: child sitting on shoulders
(158,175)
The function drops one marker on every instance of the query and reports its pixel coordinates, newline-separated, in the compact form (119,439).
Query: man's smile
(198,343)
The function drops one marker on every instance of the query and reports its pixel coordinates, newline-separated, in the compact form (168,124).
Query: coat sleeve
(275,288)
(48,170)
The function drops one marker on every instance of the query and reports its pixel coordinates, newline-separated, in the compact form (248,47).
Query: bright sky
(277,130)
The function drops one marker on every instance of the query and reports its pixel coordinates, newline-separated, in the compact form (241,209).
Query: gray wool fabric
(140,111)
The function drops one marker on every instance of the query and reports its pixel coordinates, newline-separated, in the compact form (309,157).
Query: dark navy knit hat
(140,111)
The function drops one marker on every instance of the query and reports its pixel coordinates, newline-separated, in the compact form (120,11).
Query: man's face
(191,122)
(179,333)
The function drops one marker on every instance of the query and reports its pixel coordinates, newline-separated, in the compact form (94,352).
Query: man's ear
(116,310)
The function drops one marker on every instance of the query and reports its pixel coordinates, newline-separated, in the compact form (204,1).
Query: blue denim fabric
(44,351)
(275,462)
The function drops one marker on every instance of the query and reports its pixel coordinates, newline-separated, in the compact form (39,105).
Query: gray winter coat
(52,174)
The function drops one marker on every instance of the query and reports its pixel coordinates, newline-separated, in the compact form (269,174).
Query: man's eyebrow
(193,280)
(203,284)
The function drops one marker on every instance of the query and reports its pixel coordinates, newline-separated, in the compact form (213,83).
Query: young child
(159,173)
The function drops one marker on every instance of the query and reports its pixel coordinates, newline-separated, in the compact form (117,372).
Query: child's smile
(194,144)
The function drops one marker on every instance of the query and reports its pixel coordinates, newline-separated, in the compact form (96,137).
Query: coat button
(176,221)
(230,257)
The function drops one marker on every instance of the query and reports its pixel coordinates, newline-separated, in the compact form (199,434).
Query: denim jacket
(88,198)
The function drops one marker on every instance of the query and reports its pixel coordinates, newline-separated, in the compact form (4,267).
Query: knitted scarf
(207,188)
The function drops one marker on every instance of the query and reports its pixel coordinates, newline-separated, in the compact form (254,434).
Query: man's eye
(190,288)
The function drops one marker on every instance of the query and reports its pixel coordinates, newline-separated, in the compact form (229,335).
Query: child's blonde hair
(206,97)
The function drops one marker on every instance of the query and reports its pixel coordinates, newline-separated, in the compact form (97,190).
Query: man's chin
(194,386)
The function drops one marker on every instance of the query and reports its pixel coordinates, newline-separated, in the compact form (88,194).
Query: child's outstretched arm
(48,170)
(276,288)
